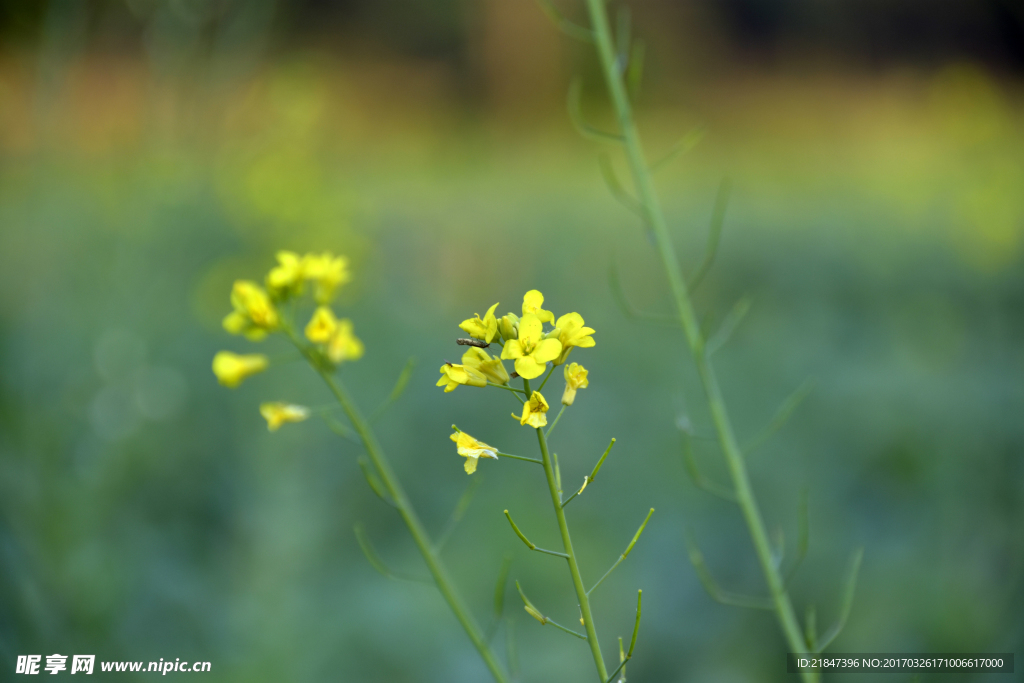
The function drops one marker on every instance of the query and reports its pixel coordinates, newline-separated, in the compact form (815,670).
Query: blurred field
(877,224)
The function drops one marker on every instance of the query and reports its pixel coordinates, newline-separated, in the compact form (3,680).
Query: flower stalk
(654,216)
(574,569)
(401,502)
(329,342)
(532,348)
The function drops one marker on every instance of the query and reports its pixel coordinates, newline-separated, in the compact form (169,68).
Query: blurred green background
(151,152)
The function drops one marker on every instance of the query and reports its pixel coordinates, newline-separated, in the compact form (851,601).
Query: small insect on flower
(277,413)
(575,378)
(231,368)
(472,449)
(534,411)
(254,314)
(481,328)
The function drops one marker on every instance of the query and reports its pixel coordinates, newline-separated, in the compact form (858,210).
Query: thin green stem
(554,623)
(530,544)
(515,392)
(569,499)
(574,570)
(404,506)
(558,475)
(519,457)
(546,378)
(617,669)
(655,218)
(505,387)
(555,423)
(606,574)
(625,553)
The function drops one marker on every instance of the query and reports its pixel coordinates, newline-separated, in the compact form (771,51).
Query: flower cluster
(260,310)
(524,341)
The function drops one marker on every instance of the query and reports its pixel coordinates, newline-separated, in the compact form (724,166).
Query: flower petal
(513,349)
(530,329)
(528,368)
(547,350)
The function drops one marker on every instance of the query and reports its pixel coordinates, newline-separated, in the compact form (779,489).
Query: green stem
(546,378)
(574,570)
(687,316)
(434,564)
(555,423)
(505,387)
(518,457)
(419,534)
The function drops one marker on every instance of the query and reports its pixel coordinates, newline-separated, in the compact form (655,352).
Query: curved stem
(404,506)
(574,570)
(419,534)
(655,218)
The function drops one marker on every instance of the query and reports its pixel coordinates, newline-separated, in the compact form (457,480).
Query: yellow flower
(489,366)
(329,271)
(232,368)
(534,411)
(571,332)
(531,351)
(575,378)
(472,450)
(452,375)
(532,305)
(254,313)
(276,414)
(322,325)
(478,328)
(344,345)
(286,277)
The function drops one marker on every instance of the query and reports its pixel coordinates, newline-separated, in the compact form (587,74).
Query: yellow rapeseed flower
(472,450)
(489,366)
(575,378)
(534,411)
(571,333)
(254,314)
(329,272)
(286,277)
(531,351)
(276,414)
(532,302)
(344,345)
(231,369)
(484,328)
(453,374)
(322,325)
